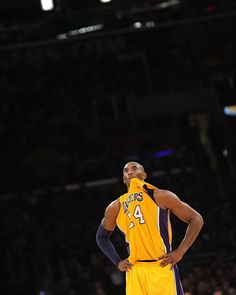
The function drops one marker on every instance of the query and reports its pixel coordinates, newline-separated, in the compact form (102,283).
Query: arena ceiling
(15,9)
(68,15)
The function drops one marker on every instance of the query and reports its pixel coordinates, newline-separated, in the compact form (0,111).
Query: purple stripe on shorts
(163,225)
(179,288)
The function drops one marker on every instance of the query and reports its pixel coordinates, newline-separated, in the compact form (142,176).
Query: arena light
(164,153)
(168,4)
(47,5)
(230,110)
(105,1)
(79,31)
(225,152)
(137,25)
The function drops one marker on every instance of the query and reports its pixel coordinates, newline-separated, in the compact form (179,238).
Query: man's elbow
(196,219)
(102,234)
(199,220)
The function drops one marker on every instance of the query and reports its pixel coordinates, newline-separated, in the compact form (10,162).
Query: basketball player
(143,216)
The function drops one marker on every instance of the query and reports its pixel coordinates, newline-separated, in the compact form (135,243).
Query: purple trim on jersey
(163,226)
(126,243)
(127,247)
(178,284)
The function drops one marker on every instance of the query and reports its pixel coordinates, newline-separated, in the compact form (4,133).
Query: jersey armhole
(150,192)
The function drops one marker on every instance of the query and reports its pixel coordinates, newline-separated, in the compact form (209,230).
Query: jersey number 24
(138,215)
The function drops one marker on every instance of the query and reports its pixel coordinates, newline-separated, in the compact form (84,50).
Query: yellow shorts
(149,278)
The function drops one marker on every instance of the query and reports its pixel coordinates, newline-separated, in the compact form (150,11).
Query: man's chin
(132,178)
(128,181)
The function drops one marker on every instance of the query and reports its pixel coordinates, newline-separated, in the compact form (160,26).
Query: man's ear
(144,175)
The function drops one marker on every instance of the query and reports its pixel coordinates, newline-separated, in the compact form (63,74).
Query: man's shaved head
(135,163)
(131,170)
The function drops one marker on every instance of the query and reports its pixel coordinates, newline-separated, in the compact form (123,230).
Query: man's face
(131,170)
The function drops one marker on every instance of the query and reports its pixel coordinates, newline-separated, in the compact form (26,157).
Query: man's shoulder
(123,196)
(114,203)
(165,198)
(113,208)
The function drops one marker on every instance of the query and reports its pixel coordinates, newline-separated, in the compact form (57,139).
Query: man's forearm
(191,234)
(106,245)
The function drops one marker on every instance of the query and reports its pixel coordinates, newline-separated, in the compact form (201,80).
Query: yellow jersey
(145,225)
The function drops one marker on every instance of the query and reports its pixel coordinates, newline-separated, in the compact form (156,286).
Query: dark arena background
(86,86)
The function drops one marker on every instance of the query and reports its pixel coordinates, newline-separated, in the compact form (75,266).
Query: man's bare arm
(104,232)
(168,200)
(110,215)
